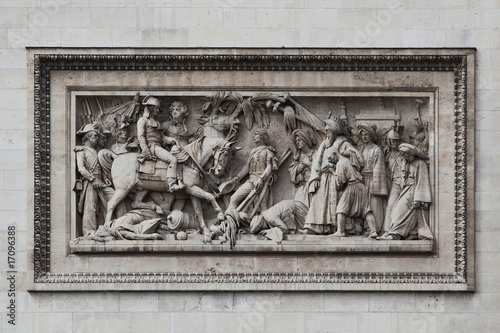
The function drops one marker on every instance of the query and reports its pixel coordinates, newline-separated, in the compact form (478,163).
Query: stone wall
(240,23)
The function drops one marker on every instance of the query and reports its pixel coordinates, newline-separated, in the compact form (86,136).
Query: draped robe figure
(300,168)
(374,173)
(411,212)
(322,218)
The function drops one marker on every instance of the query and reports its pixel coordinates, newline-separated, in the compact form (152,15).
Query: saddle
(153,170)
(157,170)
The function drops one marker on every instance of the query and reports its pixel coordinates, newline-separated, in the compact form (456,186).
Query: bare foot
(386,237)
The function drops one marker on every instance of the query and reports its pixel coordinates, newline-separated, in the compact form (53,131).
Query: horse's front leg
(138,204)
(117,197)
(199,214)
(197,192)
(164,200)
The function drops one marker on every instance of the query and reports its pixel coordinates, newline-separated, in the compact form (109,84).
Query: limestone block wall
(248,23)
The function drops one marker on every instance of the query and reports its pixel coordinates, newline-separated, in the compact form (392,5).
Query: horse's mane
(195,150)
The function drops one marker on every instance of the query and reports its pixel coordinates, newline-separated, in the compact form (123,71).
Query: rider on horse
(151,140)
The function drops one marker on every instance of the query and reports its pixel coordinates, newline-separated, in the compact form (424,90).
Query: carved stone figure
(340,190)
(300,168)
(176,128)
(420,135)
(287,216)
(353,201)
(151,140)
(138,224)
(395,165)
(199,152)
(321,218)
(260,168)
(374,172)
(123,143)
(95,192)
(410,212)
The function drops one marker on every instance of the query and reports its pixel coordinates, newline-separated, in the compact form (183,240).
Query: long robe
(395,165)
(322,217)
(374,175)
(299,179)
(404,217)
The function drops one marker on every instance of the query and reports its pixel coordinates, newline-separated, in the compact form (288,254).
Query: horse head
(222,154)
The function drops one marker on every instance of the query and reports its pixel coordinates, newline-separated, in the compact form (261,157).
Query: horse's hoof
(221,216)
(206,239)
(159,211)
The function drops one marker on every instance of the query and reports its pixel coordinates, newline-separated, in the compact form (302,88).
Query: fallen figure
(138,224)
(285,217)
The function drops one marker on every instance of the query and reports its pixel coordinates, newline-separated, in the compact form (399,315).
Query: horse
(125,177)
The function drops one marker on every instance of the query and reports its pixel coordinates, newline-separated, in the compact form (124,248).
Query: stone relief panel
(354,167)
(327,171)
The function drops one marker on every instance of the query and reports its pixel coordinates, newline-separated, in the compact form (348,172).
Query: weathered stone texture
(232,23)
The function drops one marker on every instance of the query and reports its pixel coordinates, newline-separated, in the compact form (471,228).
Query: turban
(306,135)
(371,130)
(334,126)
(411,149)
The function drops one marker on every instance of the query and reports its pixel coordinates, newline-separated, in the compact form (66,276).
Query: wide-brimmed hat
(370,129)
(88,128)
(150,100)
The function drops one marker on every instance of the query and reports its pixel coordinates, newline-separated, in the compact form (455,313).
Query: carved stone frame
(459,62)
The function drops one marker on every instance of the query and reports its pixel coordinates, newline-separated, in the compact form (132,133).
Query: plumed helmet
(393,135)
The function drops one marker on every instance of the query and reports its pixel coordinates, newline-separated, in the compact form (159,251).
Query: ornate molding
(44,64)
(460,120)
(243,278)
(252,62)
